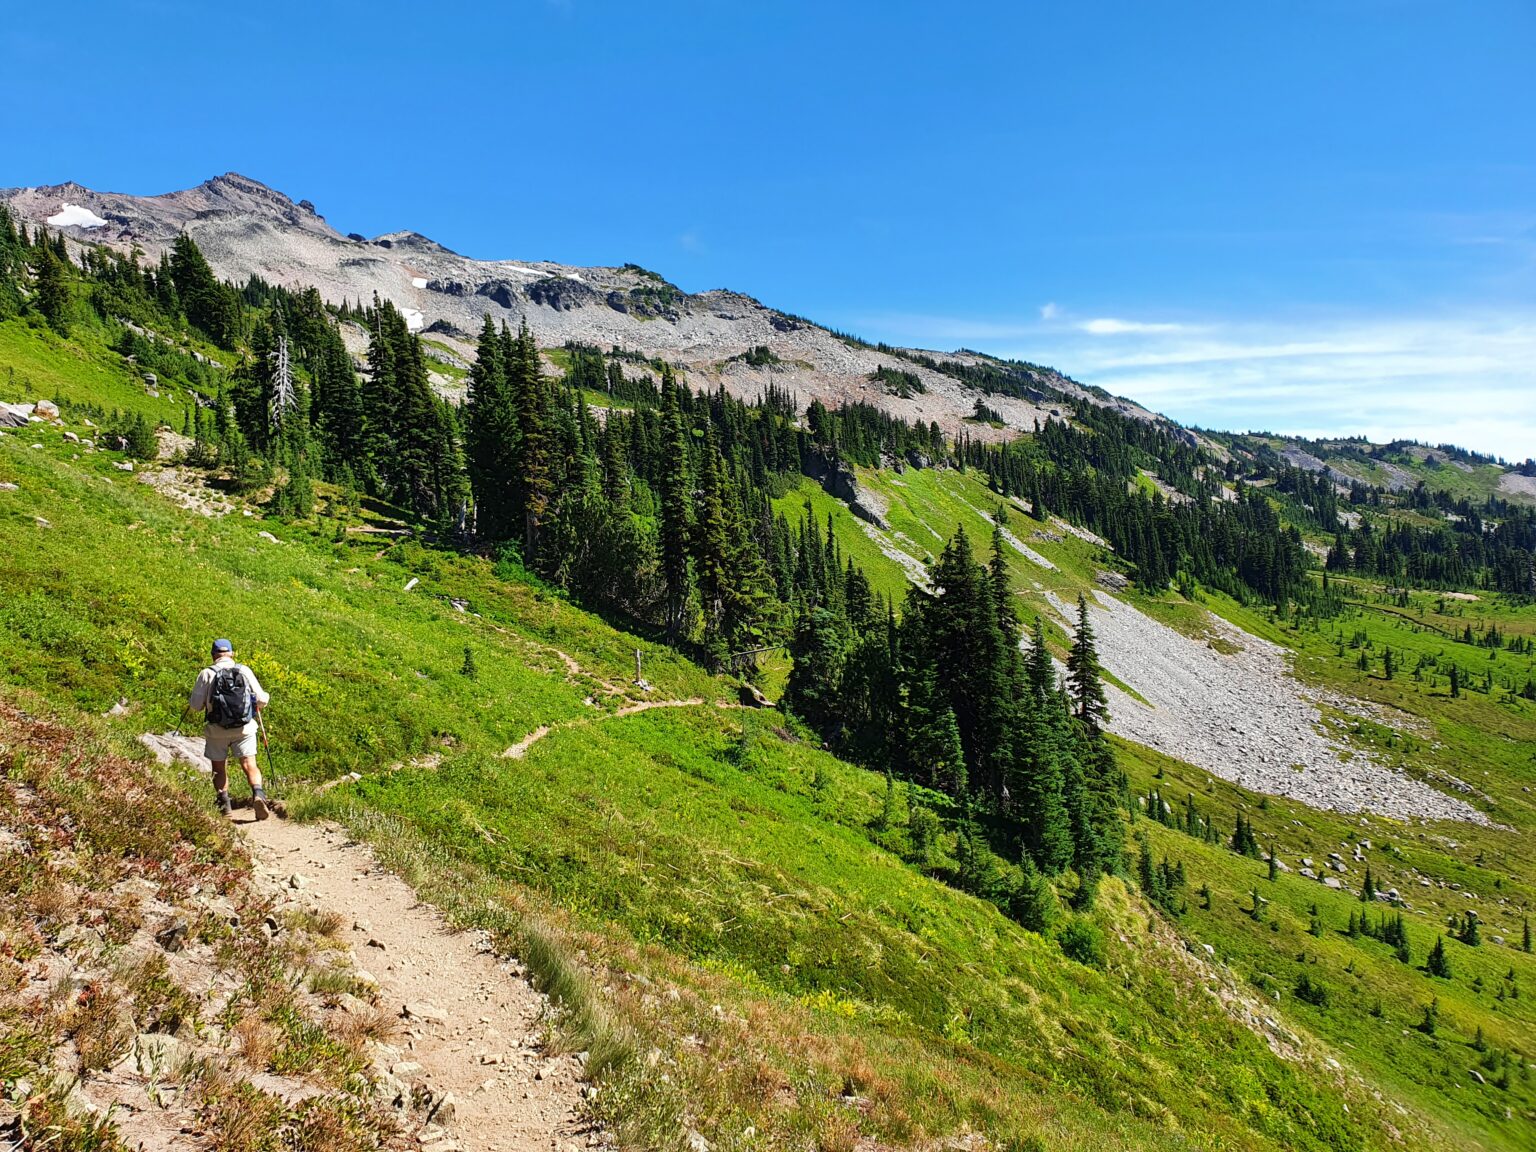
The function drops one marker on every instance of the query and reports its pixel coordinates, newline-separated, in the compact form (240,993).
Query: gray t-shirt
(199,699)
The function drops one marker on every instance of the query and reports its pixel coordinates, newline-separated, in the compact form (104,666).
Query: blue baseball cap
(223,646)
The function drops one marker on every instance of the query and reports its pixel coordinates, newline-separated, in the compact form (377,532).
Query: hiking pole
(185,712)
(271,767)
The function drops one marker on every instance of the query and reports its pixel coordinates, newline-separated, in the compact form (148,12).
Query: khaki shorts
(228,743)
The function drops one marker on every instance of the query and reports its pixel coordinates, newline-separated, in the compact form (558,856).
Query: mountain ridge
(246,228)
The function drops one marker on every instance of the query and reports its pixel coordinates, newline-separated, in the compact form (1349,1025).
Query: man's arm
(262,698)
(198,702)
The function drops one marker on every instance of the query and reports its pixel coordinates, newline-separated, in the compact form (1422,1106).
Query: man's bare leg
(258,796)
(252,772)
(221,785)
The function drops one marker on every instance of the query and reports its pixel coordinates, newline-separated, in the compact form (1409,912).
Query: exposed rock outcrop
(839,480)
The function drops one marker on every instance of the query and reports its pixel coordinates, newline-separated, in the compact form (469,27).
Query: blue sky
(1310,217)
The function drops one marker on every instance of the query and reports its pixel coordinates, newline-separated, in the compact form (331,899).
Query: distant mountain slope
(246,228)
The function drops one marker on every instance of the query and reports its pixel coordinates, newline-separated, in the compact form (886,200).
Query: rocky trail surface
(472,1024)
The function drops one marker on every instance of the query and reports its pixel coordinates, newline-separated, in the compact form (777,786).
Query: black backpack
(229,699)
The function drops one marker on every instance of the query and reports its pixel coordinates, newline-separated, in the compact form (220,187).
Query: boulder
(752,697)
(170,747)
(838,480)
(46,410)
(15,415)
(172,936)
(561,293)
(444,1109)
(501,291)
(77,1105)
(427,1013)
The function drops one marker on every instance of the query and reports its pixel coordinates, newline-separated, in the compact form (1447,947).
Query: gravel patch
(1513,484)
(1242,715)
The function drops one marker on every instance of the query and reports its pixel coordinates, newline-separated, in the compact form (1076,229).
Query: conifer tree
(1048,825)
(337,412)
(491,440)
(675,491)
(1470,934)
(536,465)
(1034,904)
(812,692)
(1437,963)
(616,470)
(208,304)
(1084,675)
(1041,674)
(50,287)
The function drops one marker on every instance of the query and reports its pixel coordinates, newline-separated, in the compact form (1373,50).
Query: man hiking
(231,696)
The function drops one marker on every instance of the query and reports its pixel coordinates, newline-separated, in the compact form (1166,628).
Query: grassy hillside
(1481,743)
(740,929)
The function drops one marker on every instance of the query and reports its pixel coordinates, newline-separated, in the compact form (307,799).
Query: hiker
(231,696)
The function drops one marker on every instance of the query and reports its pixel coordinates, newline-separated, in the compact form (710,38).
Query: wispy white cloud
(1049,310)
(1466,379)
(1110,326)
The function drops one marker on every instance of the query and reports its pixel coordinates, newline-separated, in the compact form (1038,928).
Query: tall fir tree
(1084,676)
(492,440)
(535,439)
(676,494)
(50,287)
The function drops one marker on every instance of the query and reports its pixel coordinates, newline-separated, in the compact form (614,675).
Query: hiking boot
(259,804)
(222,800)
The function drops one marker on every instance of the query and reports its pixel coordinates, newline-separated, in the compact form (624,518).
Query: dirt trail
(520,749)
(474,1024)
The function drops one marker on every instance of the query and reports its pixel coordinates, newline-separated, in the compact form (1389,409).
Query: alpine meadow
(694,727)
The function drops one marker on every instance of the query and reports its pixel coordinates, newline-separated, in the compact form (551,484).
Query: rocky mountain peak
(237,193)
(713,339)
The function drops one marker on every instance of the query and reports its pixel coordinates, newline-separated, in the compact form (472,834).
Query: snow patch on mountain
(74,216)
